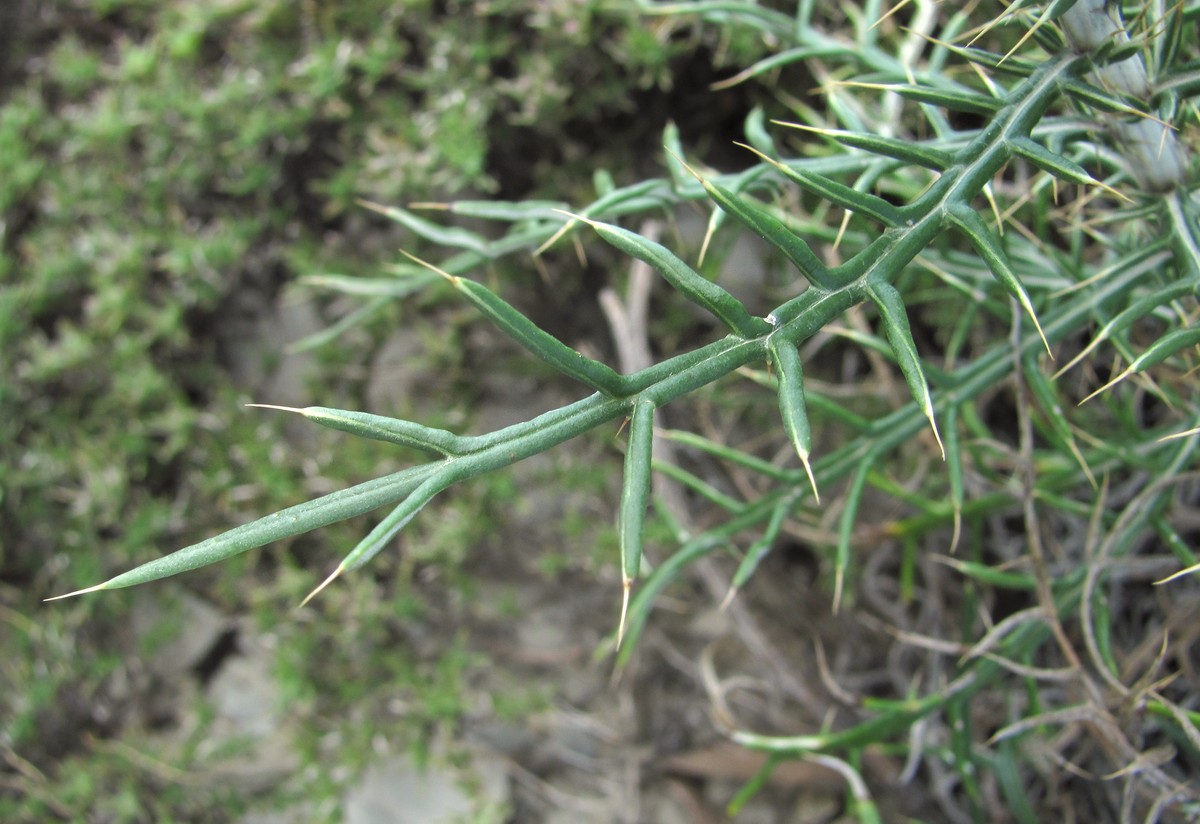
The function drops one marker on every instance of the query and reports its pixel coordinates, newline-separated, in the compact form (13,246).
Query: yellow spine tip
(626,585)
(812,481)
(454,279)
(295,409)
(333,575)
(95,588)
(936,435)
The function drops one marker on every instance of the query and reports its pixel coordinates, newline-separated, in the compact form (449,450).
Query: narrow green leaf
(771,229)
(394,287)
(760,548)
(635,495)
(1057,165)
(509,211)
(1057,8)
(918,154)
(661,577)
(955,101)
(328,509)
(860,202)
(954,469)
(453,237)
(1157,352)
(602,182)
(988,575)
(786,358)
(853,500)
(700,487)
(991,60)
(1185,235)
(1011,776)
(973,226)
(753,785)
(349,321)
(535,339)
(757,135)
(378,427)
(387,529)
(1122,320)
(1047,398)
(895,324)
(690,283)
(1052,12)
(680,176)
(727,453)
(895,718)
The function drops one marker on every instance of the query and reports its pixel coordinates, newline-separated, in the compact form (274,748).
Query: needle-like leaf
(973,226)
(791,402)
(635,496)
(388,528)
(1157,352)
(862,202)
(378,427)
(531,336)
(687,281)
(899,335)
(328,509)
(769,228)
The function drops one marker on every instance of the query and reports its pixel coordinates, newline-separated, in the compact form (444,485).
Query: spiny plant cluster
(1032,171)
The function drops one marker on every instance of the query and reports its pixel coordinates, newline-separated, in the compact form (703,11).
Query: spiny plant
(1046,194)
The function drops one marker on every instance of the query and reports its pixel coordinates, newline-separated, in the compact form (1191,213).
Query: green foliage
(1036,228)
(168,168)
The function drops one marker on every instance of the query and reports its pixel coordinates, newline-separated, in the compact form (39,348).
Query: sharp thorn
(626,584)
(322,586)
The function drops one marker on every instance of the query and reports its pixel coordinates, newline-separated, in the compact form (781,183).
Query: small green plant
(999,197)
(168,168)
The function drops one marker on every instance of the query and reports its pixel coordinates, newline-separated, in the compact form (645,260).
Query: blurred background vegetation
(170,169)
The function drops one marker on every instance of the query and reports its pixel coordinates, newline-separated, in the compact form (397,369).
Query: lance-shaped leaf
(1185,237)
(493,210)
(1138,309)
(1053,10)
(388,528)
(759,549)
(393,287)
(1097,98)
(1061,167)
(680,173)
(727,453)
(973,226)
(378,427)
(860,202)
(769,228)
(635,496)
(453,237)
(1047,398)
(690,283)
(757,135)
(990,60)
(918,154)
(899,335)
(954,469)
(991,576)
(703,489)
(334,330)
(854,494)
(1163,348)
(955,101)
(535,339)
(786,358)
(328,509)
